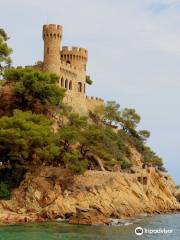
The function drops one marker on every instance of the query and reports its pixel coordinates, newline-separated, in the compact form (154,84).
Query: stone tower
(75,56)
(52,36)
(69,63)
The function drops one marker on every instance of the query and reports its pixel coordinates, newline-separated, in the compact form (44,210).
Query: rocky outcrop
(88,216)
(177,194)
(90,198)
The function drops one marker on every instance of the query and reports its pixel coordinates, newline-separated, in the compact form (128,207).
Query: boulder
(88,217)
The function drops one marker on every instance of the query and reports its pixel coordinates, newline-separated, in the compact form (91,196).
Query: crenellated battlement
(52,27)
(52,31)
(93,102)
(74,52)
(91,98)
(74,49)
(76,56)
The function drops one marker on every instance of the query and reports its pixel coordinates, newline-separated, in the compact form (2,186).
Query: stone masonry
(70,65)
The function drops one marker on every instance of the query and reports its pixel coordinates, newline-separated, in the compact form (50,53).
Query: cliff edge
(90,198)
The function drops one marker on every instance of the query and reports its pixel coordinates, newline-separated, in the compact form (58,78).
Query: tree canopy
(37,127)
(26,138)
(33,90)
(27,135)
(5,51)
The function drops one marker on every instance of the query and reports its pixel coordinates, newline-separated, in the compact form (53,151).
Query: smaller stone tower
(75,56)
(52,36)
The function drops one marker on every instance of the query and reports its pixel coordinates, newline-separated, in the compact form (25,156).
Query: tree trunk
(96,159)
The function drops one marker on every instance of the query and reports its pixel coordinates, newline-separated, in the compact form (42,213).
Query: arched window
(68,62)
(70,85)
(84,88)
(47,50)
(66,84)
(79,87)
(62,82)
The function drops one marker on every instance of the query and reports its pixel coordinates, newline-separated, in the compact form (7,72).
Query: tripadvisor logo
(139,231)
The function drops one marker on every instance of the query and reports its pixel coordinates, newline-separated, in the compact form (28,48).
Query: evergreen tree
(34,90)
(27,138)
(5,51)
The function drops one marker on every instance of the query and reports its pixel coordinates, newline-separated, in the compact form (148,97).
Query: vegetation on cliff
(5,51)
(38,128)
(89,80)
(30,90)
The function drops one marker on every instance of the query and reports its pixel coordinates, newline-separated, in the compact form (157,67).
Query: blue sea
(155,227)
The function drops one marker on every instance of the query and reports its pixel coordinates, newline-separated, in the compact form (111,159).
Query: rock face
(177,195)
(90,198)
(88,216)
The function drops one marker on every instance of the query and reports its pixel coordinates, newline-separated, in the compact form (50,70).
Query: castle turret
(52,36)
(70,65)
(75,56)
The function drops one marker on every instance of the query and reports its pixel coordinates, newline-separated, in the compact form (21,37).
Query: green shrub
(73,161)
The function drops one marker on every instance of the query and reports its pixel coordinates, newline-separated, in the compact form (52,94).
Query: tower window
(70,85)
(79,87)
(47,50)
(66,84)
(62,82)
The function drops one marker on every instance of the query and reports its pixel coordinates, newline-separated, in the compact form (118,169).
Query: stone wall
(73,80)
(93,102)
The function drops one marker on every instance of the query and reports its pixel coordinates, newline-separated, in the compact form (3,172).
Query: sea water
(155,227)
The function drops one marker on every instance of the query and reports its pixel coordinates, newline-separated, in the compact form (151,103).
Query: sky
(134,55)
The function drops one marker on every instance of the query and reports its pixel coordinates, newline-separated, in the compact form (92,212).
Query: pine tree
(5,51)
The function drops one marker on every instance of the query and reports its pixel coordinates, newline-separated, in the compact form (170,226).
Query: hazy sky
(134,55)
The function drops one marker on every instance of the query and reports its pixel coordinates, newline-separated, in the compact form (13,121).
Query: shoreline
(120,220)
(34,218)
(91,198)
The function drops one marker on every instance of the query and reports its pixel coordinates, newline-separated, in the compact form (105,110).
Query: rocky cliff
(93,197)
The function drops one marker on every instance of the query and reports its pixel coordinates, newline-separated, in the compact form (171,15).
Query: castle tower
(75,56)
(70,65)
(52,36)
